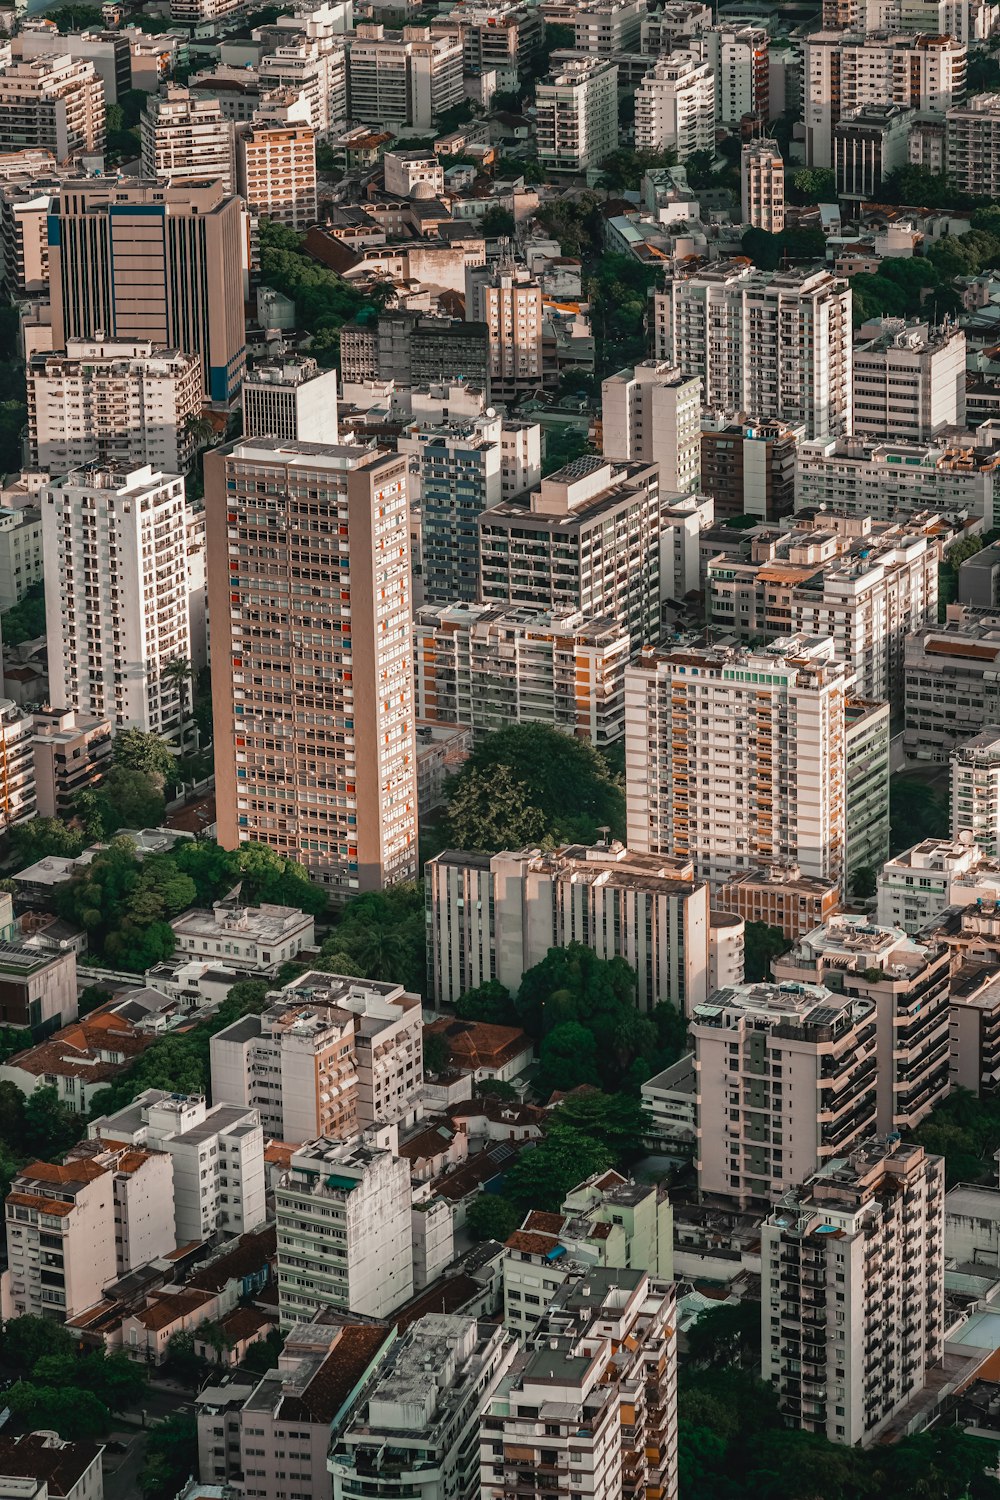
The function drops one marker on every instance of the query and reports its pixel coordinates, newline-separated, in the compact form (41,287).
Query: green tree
(24,621)
(182,1363)
(813,185)
(171,1458)
(130,799)
(864,882)
(50,1128)
(75,1414)
(492,811)
(568,1058)
(917,811)
(498,222)
(490,1002)
(437,1053)
(615,1121)
(27,1340)
(263,1355)
(726,1336)
(138,751)
(491,1218)
(762,943)
(543,1175)
(39,837)
(626,169)
(765,250)
(384,934)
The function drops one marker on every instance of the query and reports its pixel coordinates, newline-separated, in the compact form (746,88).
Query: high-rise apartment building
(975,790)
(192,12)
(577,115)
(844,70)
(675,106)
(315,69)
(884,479)
(652,413)
(587,539)
(972,137)
(909,379)
(185,136)
(60,1223)
(276,170)
(343,1212)
(867,740)
(290,398)
(138,260)
(496,916)
(112,404)
(748,467)
(907,981)
(487,666)
(54,104)
(738,57)
(18,798)
(314,751)
(762,186)
(952,686)
(331,1056)
(773,345)
(116,595)
(406,77)
(460,477)
(509,301)
(734,757)
(603,27)
(71,753)
(788,1072)
(606,1349)
(852,1290)
(869,144)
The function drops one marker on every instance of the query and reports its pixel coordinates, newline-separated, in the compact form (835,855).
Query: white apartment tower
(785,1082)
(652,413)
(852,1290)
(315,69)
(60,1223)
(290,398)
(908,379)
(403,78)
(972,138)
(738,57)
(675,106)
(577,115)
(186,136)
(975,790)
(762,183)
(113,403)
(53,103)
(735,758)
(768,344)
(343,1214)
(116,595)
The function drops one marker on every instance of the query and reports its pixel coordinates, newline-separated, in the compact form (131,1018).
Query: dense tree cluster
(324,301)
(965,1129)
(916,811)
(62,1389)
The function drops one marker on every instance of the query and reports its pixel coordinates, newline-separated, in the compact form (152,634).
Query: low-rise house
(79,1060)
(245,937)
(41,1466)
(485,1051)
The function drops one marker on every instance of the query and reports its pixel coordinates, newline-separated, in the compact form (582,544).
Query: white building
(143,1192)
(218,1158)
(113,403)
(291,398)
(577,115)
(18,798)
(417,1424)
(762,186)
(675,106)
(884,479)
(343,1231)
(403,78)
(496,916)
(852,1283)
(608,1345)
(116,595)
(768,344)
(975,790)
(785,1081)
(734,758)
(60,1223)
(738,57)
(52,103)
(972,147)
(652,413)
(262,938)
(909,379)
(186,136)
(316,69)
(916,886)
(952,687)
(603,27)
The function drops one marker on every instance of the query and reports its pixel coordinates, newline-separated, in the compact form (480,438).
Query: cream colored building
(186,136)
(406,77)
(276,170)
(734,757)
(852,1281)
(52,103)
(785,1082)
(762,186)
(509,301)
(577,115)
(261,938)
(343,798)
(675,106)
(975,790)
(60,1223)
(884,480)
(909,379)
(972,149)
(652,413)
(290,398)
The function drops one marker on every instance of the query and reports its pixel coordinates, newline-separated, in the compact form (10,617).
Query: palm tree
(180,672)
(200,430)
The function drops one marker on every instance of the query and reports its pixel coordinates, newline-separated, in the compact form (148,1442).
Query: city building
(952,690)
(114,405)
(185,136)
(651,413)
(116,595)
(675,107)
(290,398)
(866,751)
(779,895)
(71,753)
(768,345)
(852,1278)
(509,301)
(417,1423)
(42,1464)
(869,143)
(762,184)
(416,349)
(577,115)
(18,800)
(606,1346)
(974,1027)
(748,467)
(496,916)
(918,886)
(909,379)
(604,27)
(884,480)
(78,1059)
(37,988)
(193,12)
(138,260)
(789,1070)
(52,104)
(350,817)
(276,170)
(315,69)
(907,981)
(735,757)
(259,938)
(331,1056)
(972,145)
(218,1158)
(460,467)
(488,666)
(979,578)
(143,1191)
(975,790)
(587,539)
(109,51)
(867,585)
(738,57)
(343,1231)
(406,77)
(60,1224)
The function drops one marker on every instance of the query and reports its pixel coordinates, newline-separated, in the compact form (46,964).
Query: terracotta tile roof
(76,1170)
(543,1222)
(74,1052)
(44,1205)
(244,1322)
(444,1297)
(247,1256)
(278,1153)
(167,1308)
(430,1142)
(337,1376)
(532,1244)
(476,1044)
